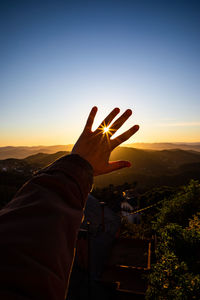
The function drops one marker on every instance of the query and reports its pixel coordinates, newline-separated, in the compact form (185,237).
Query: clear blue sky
(59,58)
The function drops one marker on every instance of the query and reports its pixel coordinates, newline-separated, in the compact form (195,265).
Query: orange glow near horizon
(64,135)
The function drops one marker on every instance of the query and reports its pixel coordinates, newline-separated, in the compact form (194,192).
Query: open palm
(96,146)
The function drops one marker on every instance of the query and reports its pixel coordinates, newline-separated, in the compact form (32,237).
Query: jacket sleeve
(38,231)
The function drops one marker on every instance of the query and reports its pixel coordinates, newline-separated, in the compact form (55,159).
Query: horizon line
(64,145)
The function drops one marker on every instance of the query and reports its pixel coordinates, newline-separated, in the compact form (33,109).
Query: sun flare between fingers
(106,129)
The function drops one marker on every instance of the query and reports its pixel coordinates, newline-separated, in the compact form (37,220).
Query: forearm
(38,231)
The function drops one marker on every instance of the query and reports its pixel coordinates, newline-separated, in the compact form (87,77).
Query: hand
(96,146)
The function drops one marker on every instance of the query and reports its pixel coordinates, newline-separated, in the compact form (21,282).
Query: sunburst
(106,129)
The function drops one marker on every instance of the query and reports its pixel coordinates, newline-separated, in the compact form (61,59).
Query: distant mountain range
(22,152)
(165,146)
(149,167)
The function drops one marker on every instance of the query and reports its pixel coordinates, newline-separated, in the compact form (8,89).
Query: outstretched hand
(96,146)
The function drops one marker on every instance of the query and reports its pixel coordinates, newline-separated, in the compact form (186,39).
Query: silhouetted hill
(190,167)
(43,159)
(29,164)
(149,161)
(149,168)
(152,168)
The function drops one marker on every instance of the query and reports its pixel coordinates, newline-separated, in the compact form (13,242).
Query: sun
(106,130)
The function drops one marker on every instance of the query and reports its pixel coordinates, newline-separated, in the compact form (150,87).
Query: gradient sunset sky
(60,58)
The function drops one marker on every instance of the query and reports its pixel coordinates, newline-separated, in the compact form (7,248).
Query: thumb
(116,165)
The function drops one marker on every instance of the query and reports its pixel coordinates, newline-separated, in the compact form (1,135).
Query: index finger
(106,122)
(90,120)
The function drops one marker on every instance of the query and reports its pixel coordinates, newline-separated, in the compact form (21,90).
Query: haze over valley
(25,151)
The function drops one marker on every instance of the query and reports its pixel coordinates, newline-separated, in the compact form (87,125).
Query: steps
(127,269)
(124,276)
(129,282)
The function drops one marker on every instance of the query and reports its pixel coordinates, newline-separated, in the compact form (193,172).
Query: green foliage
(134,231)
(176,273)
(181,207)
(154,196)
(171,280)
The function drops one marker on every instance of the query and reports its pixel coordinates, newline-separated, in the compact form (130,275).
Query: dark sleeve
(38,230)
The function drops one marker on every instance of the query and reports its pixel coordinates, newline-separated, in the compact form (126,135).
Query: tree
(176,273)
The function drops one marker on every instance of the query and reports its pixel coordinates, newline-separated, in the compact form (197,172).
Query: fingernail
(137,127)
(127,164)
(129,112)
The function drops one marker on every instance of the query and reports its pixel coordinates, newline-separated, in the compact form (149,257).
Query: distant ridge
(165,146)
(24,151)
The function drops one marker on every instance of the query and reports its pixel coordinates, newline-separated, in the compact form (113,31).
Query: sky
(60,58)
